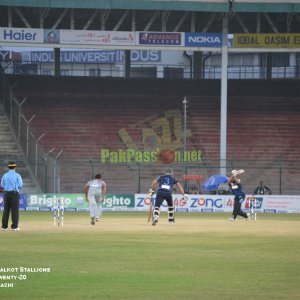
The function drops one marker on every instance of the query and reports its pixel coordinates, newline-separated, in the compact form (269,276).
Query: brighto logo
(48,200)
(117,201)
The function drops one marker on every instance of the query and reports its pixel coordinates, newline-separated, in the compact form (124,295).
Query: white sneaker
(4,229)
(232,219)
(154,221)
(97,219)
(16,229)
(171,223)
(248,217)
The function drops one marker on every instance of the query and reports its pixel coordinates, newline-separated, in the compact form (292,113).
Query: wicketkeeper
(165,188)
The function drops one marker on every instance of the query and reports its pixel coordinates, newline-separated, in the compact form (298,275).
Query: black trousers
(237,207)
(161,196)
(11,204)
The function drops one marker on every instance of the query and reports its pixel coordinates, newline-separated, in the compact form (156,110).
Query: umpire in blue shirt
(11,183)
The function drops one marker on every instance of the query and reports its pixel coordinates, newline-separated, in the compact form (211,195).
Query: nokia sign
(213,40)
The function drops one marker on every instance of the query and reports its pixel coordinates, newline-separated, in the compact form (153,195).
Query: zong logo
(206,202)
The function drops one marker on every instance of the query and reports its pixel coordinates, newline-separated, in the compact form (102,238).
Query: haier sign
(21,35)
(193,39)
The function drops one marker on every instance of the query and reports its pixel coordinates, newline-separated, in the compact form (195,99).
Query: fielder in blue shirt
(11,184)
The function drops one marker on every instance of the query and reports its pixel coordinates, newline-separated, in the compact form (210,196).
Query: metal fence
(51,172)
(280,176)
(32,157)
(167,71)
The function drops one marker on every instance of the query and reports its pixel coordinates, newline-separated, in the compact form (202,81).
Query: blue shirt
(11,181)
(166,183)
(236,188)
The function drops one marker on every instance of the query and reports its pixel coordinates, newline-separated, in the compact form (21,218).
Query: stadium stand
(81,116)
(9,151)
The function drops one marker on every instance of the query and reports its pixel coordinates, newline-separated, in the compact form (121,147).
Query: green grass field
(202,256)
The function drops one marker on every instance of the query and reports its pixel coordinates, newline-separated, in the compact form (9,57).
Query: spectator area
(81,116)
(9,151)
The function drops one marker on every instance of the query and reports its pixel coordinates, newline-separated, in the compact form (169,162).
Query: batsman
(239,194)
(165,188)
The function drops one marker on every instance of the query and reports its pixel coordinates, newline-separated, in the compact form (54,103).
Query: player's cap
(12,164)
(234,172)
(98,176)
(169,171)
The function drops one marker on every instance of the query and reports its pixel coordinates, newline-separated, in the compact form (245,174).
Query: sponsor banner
(119,202)
(21,35)
(145,56)
(250,200)
(47,201)
(194,39)
(210,203)
(23,201)
(77,201)
(8,56)
(33,208)
(230,40)
(160,38)
(182,209)
(281,203)
(141,202)
(224,203)
(45,209)
(93,37)
(92,57)
(195,203)
(5,56)
(269,210)
(268,40)
(51,36)
(72,209)
(138,156)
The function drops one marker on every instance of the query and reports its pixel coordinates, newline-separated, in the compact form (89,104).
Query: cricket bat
(241,171)
(237,172)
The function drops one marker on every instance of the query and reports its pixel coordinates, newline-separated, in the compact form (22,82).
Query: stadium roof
(253,16)
(183,5)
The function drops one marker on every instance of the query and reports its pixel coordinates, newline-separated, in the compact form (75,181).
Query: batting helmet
(169,171)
